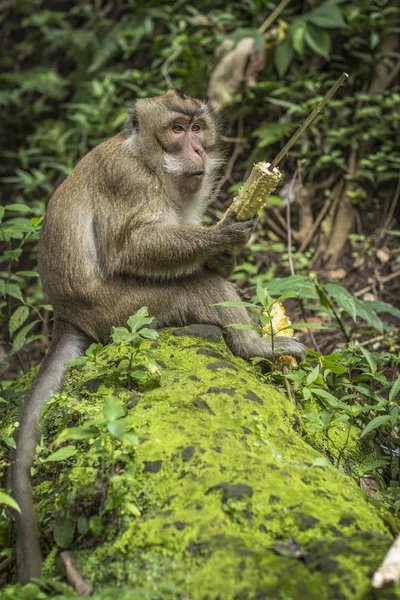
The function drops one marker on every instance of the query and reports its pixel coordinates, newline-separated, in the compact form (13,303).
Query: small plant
(107,437)
(134,366)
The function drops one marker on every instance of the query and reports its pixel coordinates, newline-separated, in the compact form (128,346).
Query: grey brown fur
(124,231)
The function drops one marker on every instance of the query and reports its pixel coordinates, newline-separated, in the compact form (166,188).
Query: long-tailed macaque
(124,231)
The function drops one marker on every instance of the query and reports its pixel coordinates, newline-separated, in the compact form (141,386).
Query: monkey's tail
(68,343)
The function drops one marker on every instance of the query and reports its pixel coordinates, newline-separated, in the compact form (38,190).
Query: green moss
(204,506)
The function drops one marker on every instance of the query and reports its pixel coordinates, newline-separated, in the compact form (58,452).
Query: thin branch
(319,219)
(383,280)
(289,228)
(74,578)
(392,208)
(275,13)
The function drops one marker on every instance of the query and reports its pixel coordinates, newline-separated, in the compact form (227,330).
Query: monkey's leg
(68,343)
(209,289)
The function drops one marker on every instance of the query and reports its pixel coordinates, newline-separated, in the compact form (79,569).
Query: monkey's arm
(223,263)
(172,250)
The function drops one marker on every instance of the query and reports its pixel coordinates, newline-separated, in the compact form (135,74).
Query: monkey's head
(178,136)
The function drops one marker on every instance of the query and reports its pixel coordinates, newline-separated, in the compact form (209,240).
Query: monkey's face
(183,141)
(183,136)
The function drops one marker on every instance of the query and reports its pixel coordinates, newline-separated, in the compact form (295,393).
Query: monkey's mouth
(197,173)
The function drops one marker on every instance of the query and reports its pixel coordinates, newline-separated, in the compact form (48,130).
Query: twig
(383,280)
(275,13)
(74,578)
(392,208)
(289,228)
(389,571)
(165,65)
(297,174)
(277,229)
(308,120)
(287,384)
(378,338)
(279,217)
(8,561)
(235,154)
(318,220)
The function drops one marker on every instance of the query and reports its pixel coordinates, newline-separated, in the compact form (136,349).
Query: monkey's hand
(235,233)
(223,263)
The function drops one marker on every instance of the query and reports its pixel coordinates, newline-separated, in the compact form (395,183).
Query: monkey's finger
(230,217)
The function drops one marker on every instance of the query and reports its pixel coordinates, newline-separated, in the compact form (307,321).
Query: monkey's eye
(196,127)
(177,128)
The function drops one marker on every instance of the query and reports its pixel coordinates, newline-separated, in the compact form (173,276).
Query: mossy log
(220,498)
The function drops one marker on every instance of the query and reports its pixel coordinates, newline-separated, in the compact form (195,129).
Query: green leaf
(269,133)
(139,319)
(93,350)
(150,334)
(321,461)
(19,208)
(122,334)
(112,408)
(378,422)
(83,525)
(384,307)
(117,428)
(28,274)
(307,326)
(298,34)
(64,533)
(366,313)
(129,438)
(77,362)
(296,285)
(76,433)
(11,289)
(61,454)
(7,500)
(343,298)
(20,338)
(327,15)
(370,360)
(261,293)
(139,375)
(395,389)
(331,400)
(311,377)
(318,40)
(283,57)
(133,509)
(18,317)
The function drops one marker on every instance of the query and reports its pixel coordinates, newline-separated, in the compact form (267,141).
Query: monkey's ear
(132,124)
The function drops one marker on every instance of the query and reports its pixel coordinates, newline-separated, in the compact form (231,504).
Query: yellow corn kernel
(256,191)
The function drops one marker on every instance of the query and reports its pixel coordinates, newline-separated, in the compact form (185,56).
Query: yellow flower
(280,322)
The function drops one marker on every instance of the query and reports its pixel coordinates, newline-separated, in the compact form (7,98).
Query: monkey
(123,231)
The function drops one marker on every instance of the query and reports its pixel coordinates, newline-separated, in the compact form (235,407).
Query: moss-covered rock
(218,500)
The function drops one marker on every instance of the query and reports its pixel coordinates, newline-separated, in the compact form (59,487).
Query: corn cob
(255,192)
(264,176)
